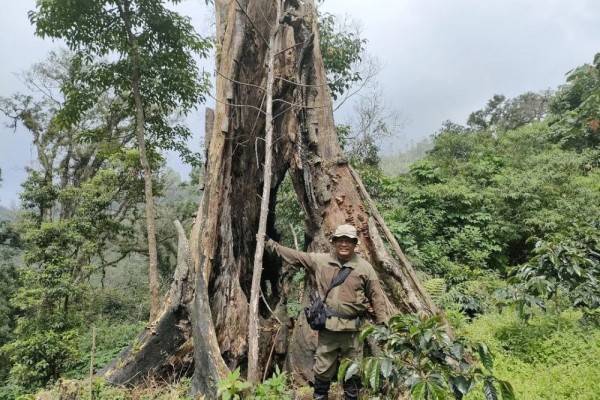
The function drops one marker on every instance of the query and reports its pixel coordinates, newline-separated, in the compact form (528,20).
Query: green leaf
(375,375)
(366,332)
(419,390)
(506,390)
(460,384)
(436,391)
(386,367)
(457,351)
(342,369)
(489,390)
(351,371)
(485,355)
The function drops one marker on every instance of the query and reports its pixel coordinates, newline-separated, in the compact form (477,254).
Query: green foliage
(576,108)
(552,357)
(502,113)
(436,287)
(418,356)
(472,297)
(341,48)
(294,301)
(149,41)
(41,355)
(233,387)
(479,202)
(112,336)
(274,388)
(290,216)
(10,249)
(75,221)
(556,269)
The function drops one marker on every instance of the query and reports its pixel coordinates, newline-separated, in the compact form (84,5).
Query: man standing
(347,304)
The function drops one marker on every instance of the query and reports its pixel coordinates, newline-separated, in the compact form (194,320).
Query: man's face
(344,247)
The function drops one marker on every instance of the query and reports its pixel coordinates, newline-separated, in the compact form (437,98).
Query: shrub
(552,357)
(41,357)
(418,356)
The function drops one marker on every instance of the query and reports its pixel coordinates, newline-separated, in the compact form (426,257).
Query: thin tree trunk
(253,327)
(150,214)
(140,122)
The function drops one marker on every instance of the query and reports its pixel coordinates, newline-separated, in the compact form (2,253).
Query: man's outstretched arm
(291,256)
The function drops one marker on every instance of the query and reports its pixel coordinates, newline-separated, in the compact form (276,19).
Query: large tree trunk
(305,146)
(164,347)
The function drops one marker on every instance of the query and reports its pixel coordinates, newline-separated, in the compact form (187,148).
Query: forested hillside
(502,218)
(499,215)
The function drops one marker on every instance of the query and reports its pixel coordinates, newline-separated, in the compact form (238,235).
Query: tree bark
(182,332)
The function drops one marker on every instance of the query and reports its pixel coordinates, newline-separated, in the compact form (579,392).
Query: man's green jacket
(352,298)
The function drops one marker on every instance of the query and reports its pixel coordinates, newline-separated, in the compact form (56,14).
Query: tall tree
(77,203)
(149,60)
(327,188)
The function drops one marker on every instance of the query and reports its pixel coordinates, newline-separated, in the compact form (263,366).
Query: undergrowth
(552,357)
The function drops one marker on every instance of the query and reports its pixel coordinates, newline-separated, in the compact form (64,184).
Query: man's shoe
(351,388)
(321,389)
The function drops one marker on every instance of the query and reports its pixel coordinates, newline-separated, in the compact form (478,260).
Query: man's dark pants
(332,347)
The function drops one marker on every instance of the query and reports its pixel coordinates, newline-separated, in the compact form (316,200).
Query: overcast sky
(441,59)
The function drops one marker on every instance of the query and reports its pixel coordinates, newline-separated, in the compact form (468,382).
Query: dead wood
(305,145)
(164,348)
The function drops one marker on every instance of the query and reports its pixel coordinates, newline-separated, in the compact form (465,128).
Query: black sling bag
(317,312)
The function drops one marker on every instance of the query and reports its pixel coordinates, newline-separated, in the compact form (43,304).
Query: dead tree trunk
(305,146)
(164,347)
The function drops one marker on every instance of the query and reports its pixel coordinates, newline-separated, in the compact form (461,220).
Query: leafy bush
(472,297)
(418,356)
(111,337)
(479,201)
(556,269)
(41,357)
(274,388)
(233,387)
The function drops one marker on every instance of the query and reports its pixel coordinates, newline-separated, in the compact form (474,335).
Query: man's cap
(345,231)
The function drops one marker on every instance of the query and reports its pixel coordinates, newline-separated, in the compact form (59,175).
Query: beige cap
(346,231)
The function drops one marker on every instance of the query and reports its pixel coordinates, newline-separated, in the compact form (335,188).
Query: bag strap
(338,279)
